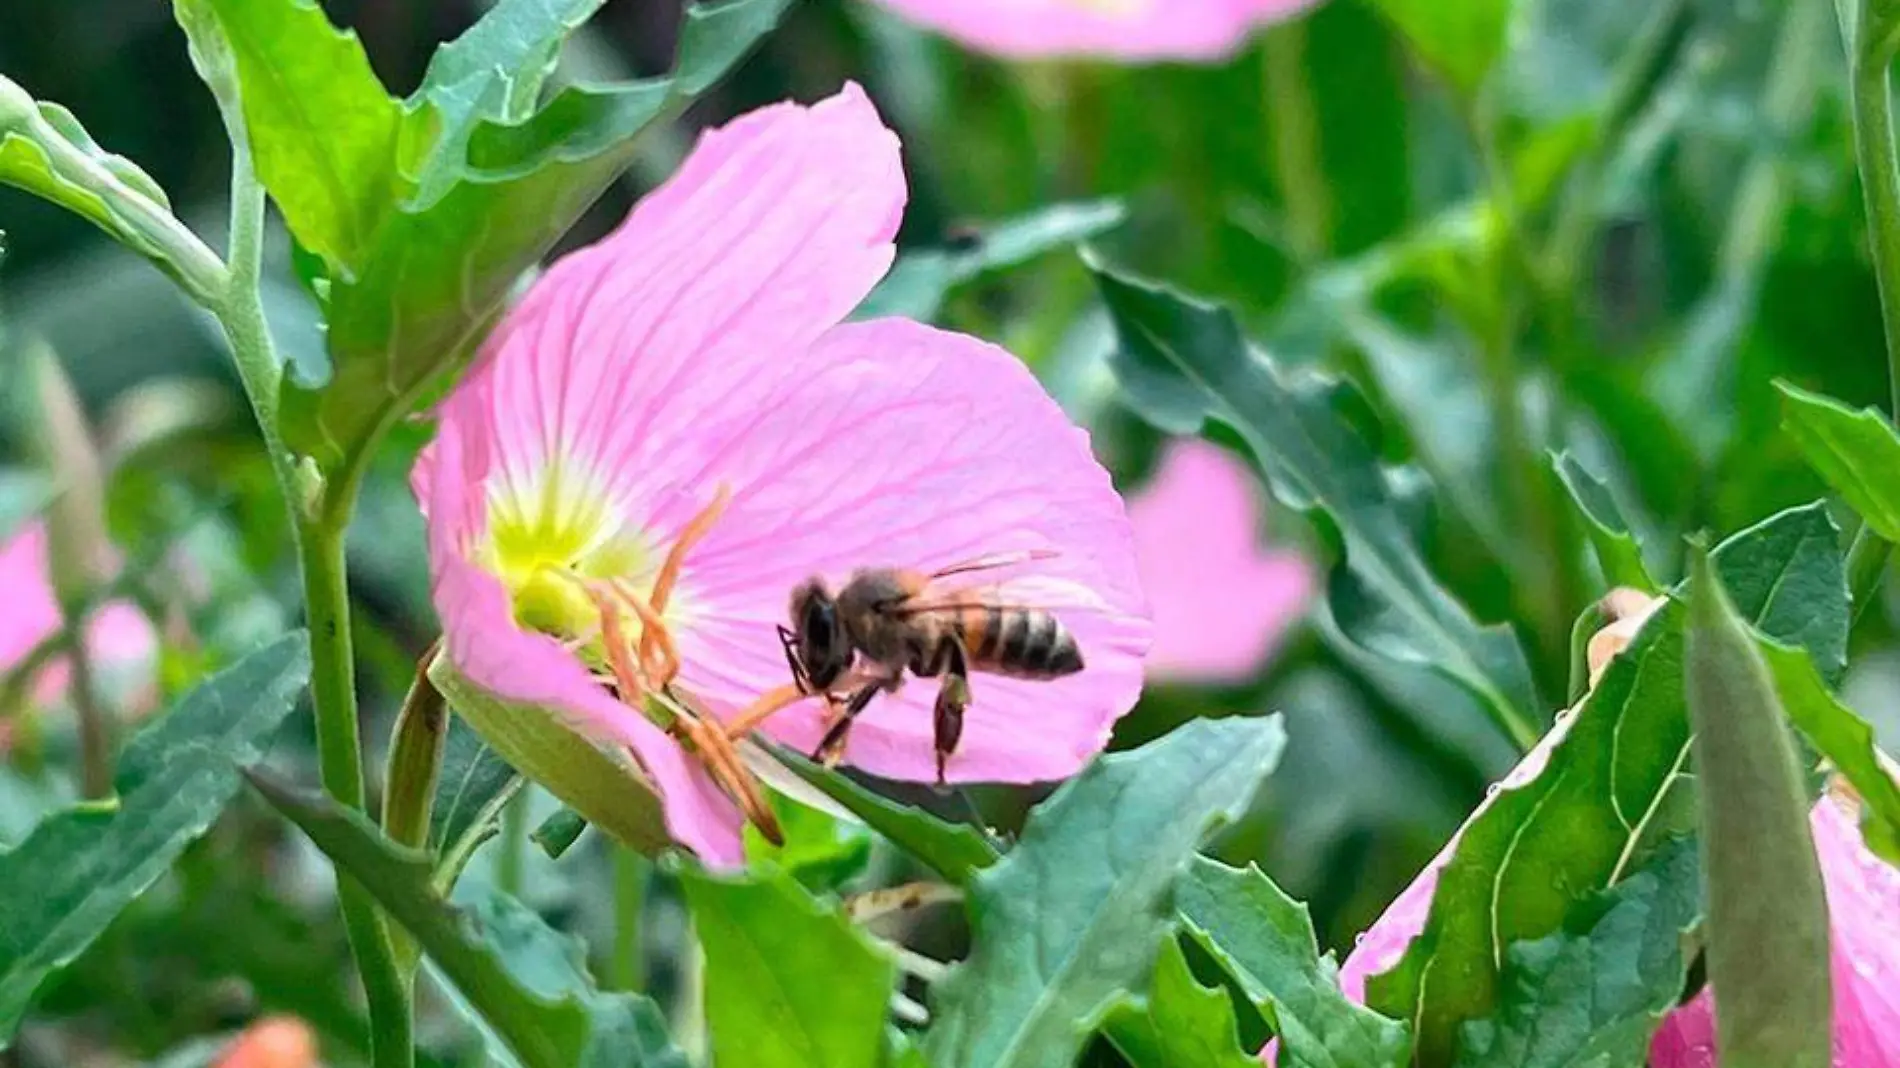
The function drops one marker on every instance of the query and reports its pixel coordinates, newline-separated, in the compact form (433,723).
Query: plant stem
(95,722)
(630,892)
(514,846)
(1294,136)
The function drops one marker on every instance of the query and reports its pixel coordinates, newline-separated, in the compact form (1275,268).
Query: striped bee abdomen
(1024,643)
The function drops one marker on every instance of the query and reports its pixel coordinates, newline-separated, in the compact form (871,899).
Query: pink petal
(118,636)
(1221,603)
(1123,29)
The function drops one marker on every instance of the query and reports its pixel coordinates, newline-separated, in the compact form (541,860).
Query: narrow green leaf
(1593,994)
(1182,362)
(1180,1023)
(322,128)
(1265,941)
(1767,947)
(789,982)
(77,870)
(526,981)
(921,279)
(1612,790)
(473,776)
(1075,913)
(1856,452)
(1617,552)
(1462,41)
(1844,738)
(957,851)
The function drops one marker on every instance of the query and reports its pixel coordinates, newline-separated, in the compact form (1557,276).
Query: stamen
(696,528)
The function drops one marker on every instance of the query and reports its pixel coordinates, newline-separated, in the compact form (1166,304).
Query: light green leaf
(1181,363)
(1617,552)
(1180,1023)
(1767,950)
(439,269)
(957,851)
(526,981)
(1265,941)
(322,129)
(789,982)
(1857,452)
(1592,995)
(821,851)
(921,279)
(1844,739)
(71,877)
(1074,914)
(1462,41)
(1612,790)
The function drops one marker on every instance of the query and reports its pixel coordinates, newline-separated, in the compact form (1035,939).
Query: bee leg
(695,529)
(953,696)
(831,748)
(792,660)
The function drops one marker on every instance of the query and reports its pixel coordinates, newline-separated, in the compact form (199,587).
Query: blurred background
(1684,170)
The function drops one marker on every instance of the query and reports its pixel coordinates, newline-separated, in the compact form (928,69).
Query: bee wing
(990,561)
(1038,592)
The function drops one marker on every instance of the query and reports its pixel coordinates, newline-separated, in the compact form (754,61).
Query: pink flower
(273,1042)
(118,635)
(687,384)
(1221,602)
(1863,900)
(1121,29)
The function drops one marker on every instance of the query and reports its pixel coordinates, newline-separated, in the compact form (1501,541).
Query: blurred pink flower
(1221,602)
(1121,29)
(698,351)
(117,636)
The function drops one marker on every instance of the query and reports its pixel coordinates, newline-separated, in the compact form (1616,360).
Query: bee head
(822,646)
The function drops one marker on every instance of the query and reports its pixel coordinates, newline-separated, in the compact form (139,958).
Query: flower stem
(95,722)
(630,890)
(1294,137)
(513,854)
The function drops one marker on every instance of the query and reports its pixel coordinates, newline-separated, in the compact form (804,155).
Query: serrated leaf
(789,983)
(440,268)
(322,129)
(1767,932)
(71,877)
(1617,552)
(525,980)
(921,279)
(1844,738)
(1593,995)
(1612,789)
(1265,941)
(1181,363)
(1461,41)
(1075,913)
(1856,452)
(1179,1023)
(956,851)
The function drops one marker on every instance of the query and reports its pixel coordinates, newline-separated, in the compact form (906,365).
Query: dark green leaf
(1074,914)
(1594,994)
(1180,1023)
(1767,951)
(789,983)
(439,269)
(956,851)
(1844,739)
(76,871)
(558,833)
(1612,789)
(1857,452)
(472,779)
(525,980)
(921,279)
(1265,941)
(1181,362)
(1462,41)
(1617,552)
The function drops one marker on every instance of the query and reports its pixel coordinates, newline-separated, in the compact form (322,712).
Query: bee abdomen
(1024,643)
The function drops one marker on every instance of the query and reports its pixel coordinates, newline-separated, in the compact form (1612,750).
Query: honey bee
(885,622)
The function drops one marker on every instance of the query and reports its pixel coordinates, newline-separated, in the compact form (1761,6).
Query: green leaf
(1617,552)
(789,982)
(1180,1023)
(474,785)
(1612,790)
(821,851)
(526,981)
(1857,452)
(67,881)
(1182,362)
(1844,738)
(438,271)
(1264,939)
(1463,41)
(1767,950)
(322,129)
(921,279)
(1074,914)
(956,851)
(558,833)
(1593,994)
